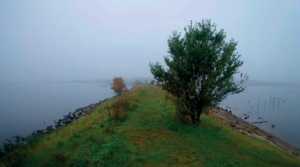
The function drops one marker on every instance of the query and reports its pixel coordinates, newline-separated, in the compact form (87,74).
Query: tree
(137,82)
(202,67)
(118,85)
(152,82)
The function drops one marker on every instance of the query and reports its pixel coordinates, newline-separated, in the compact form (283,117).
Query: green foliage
(150,136)
(14,157)
(201,69)
(152,82)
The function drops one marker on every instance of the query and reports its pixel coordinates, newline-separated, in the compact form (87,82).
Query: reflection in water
(270,103)
(265,105)
(274,115)
(258,106)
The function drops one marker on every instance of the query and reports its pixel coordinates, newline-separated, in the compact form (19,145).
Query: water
(277,105)
(25,107)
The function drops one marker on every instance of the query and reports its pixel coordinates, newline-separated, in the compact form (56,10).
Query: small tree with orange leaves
(118,85)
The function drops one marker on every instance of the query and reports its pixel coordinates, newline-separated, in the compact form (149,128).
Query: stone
(269,137)
(295,153)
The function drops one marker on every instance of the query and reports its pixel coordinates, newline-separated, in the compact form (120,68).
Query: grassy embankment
(150,135)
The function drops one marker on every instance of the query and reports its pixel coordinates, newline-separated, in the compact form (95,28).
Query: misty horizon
(64,40)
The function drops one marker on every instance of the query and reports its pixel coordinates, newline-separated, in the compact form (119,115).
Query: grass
(149,135)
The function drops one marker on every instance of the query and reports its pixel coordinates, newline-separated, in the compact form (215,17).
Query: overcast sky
(66,40)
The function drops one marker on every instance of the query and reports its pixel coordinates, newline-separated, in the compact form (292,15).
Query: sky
(71,39)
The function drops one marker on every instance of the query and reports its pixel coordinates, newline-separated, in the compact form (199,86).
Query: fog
(70,40)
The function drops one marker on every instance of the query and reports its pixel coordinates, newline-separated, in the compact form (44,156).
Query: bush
(119,107)
(182,112)
(14,157)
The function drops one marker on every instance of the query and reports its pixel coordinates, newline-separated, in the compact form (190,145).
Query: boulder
(295,153)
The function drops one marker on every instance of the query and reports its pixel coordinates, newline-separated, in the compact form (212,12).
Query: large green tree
(202,68)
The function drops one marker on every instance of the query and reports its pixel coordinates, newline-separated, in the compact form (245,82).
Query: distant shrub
(137,82)
(120,106)
(118,85)
(152,82)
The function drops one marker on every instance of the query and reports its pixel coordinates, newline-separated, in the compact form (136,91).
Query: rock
(269,137)
(295,153)
(232,125)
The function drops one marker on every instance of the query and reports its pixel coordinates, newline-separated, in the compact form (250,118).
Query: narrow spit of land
(149,134)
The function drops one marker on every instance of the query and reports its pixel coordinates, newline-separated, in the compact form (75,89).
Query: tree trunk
(193,118)
(198,116)
(199,111)
(196,112)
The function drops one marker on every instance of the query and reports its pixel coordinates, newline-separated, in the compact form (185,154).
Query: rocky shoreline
(225,116)
(240,125)
(16,141)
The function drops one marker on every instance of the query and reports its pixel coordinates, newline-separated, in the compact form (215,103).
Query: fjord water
(25,107)
(280,106)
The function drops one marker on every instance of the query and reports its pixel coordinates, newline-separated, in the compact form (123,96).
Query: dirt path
(248,129)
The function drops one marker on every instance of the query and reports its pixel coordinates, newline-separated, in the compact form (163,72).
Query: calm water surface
(280,106)
(25,107)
